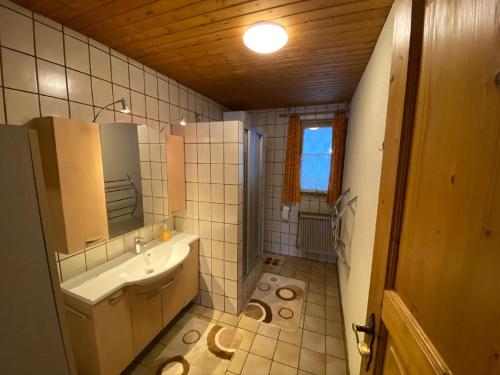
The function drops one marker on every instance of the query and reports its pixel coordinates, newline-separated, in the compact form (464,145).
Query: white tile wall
(50,70)
(280,236)
(211,152)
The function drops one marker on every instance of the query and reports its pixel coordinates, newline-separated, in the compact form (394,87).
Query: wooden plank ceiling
(199,43)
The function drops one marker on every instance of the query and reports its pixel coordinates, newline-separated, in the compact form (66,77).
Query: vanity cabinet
(73,174)
(106,337)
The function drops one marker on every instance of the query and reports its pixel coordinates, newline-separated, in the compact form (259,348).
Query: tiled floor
(316,348)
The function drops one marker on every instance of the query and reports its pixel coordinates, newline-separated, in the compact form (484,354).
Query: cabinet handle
(116,298)
(148,295)
(75,312)
(94,241)
(169,283)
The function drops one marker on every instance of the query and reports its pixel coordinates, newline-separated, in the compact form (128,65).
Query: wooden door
(435,281)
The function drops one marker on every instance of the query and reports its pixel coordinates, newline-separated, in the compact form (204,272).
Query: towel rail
(121,197)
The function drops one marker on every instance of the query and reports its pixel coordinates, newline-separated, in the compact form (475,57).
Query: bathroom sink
(158,259)
(154,262)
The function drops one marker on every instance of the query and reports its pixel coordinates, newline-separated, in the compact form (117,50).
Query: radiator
(315,234)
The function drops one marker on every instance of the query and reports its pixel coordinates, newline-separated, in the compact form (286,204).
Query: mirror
(122,177)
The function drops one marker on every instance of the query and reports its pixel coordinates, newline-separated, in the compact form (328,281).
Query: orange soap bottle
(165,233)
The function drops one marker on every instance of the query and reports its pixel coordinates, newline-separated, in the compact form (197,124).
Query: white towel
(285,213)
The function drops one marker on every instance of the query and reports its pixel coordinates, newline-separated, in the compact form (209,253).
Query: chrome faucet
(138,243)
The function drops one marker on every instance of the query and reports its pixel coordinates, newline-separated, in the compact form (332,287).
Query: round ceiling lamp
(265,37)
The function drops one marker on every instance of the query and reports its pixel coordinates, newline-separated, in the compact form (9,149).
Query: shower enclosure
(253,230)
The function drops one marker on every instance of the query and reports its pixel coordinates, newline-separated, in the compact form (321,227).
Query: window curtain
(291,184)
(337,160)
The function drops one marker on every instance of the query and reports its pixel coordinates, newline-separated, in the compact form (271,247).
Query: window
(316,158)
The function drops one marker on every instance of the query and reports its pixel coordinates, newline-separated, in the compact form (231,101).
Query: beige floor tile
(332,301)
(334,329)
(249,324)
(268,330)
(255,365)
(238,361)
(167,336)
(315,310)
(335,366)
(316,298)
(332,290)
(318,277)
(314,341)
(287,354)
(280,369)
(333,313)
(312,361)
(152,355)
(335,347)
(263,346)
(138,370)
(317,349)
(197,309)
(229,319)
(185,319)
(317,288)
(246,341)
(294,338)
(301,276)
(211,314)
(314,324)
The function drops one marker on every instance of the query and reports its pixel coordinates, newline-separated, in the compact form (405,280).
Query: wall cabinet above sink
(72,169)
(94,179)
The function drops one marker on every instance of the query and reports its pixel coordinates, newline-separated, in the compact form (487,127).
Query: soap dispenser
(165,233)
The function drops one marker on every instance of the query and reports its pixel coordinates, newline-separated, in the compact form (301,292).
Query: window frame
(326,123)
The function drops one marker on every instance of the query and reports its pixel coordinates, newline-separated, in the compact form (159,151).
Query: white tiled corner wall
(280,236)
(214,192)
(49,70)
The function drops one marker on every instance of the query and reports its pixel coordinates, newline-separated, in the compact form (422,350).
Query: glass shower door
(253,199)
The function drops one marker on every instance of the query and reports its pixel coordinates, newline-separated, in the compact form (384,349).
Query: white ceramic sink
(155,261)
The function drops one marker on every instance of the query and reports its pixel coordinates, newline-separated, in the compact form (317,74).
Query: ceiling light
(182,121)
(313,129)
(265,37)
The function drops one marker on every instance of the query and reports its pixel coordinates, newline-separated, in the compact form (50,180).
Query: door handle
(365,348)
(95,240)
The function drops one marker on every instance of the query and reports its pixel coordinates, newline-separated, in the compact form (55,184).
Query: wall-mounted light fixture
(180,120)
(124,108)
